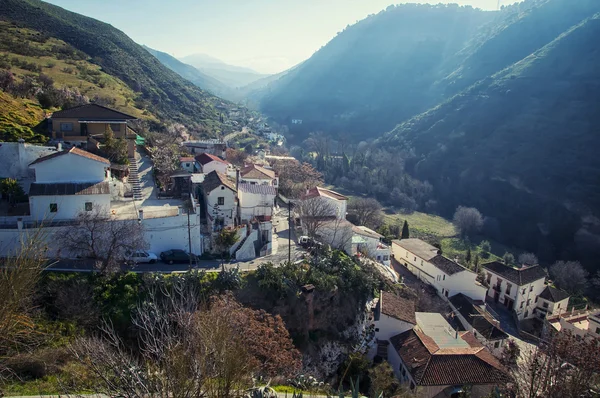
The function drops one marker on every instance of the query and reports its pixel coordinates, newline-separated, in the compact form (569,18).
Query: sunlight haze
(265,35)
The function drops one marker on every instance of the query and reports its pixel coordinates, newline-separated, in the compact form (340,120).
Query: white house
(256,174)
(67,183)
(551,301)
(434,360)
(392,315)
(220,199)
(446,275)
(584,323)
(474,318)
(255,201)
(209,163)
(188,163)
(336,201)
(517,289)
(370,242)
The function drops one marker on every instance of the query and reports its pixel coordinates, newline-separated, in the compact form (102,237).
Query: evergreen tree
(405,232)
(476,263)
(468,259)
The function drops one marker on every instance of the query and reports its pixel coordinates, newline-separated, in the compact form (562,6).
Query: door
(496,297)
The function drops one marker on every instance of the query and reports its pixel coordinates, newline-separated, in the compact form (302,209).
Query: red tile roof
(429,365)
(74,151)
(186,159)
(205,158)
(322,192)
(215,179)
(255,171)
(397,307)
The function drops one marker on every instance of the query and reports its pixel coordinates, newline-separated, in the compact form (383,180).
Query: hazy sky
(266,35)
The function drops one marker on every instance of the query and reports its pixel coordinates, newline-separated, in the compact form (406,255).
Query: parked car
(307,242)
(140,256)
(176,256)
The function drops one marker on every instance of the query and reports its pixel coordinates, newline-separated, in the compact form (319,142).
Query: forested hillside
(154,87)
(375,73)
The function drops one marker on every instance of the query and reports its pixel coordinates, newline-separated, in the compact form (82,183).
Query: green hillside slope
(521,145)
(375,73)
(166,94)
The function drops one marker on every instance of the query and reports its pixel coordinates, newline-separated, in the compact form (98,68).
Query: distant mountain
(375,73)
(230,75)
(190,73)
(153,87)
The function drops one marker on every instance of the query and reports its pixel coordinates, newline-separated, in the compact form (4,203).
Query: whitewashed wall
(69,206)
(70,168)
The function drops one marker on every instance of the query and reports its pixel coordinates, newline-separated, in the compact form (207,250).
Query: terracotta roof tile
(74,151)
(255,171)
(205,158)
(214,179)
(397,307)
(323,192)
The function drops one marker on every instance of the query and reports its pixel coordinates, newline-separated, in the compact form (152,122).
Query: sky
(268,36)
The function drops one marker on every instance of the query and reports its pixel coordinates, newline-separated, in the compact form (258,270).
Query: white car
(140,256)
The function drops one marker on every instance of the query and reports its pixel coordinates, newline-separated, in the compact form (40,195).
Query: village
(209,213)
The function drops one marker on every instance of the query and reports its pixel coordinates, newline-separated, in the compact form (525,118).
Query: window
(526,314)
(53,207)
(597,330)
(523,291)
(558,306)
(537,297)
(497,344)
(522,304)
(221,200)
(545,304)
(444,278)
(421,262)
(446,293)
(66,127)
(415,259)
(378,258)
(88,206)
(489,278)
(377,329)
(187,165)
(508,286)
(531,288)
(386,258)
(115,126)
(528,302)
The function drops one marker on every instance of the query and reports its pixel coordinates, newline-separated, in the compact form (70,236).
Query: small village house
(79,124)
(392,315)
(260,175)
(551,301)
(517,289)
(434,360)
(583,323)
(365,240)
(209,163)
(211,146)
(220,199)
(474,318)
(255,202)
(446,275)
(188,163)
(67,183)
(336,201)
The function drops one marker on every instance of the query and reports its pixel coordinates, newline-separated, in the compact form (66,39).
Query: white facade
(520,298)
(67,207)
(255,203)
(335,201)
(168,233)
(15,158)
(446,284)
(70,168)
(189,165)
(372,244)
(217,166)
(221,206)
(547,308)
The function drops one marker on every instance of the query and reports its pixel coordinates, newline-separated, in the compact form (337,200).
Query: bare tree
(336,233)
(19,275)
(366,211)
(467,220)
(570,276)
(294,177)
(528,259)
(102,238)
(314,214)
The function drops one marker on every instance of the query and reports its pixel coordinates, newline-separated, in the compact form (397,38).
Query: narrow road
(231,136)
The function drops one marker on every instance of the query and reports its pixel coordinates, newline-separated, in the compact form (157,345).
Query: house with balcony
(434,360)
(255,202)
(87,123)
(583,323)
(220,199)
(517,289)
(369,242)
(446,275)
(260,175)
(67,183)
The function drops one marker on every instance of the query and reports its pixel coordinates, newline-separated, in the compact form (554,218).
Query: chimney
(140,214)
(237,178)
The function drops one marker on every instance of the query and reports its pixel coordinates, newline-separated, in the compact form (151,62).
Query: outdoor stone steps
(134,179)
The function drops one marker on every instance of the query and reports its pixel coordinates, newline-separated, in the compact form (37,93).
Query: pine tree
(476,263)
(468,256)
(405,232)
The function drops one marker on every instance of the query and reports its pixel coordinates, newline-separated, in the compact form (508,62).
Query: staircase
(239,246)
(134,179)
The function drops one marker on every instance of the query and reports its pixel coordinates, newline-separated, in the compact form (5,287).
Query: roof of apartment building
(449,267)
(205,158)
(214,179)
(429,364)
(74,151)
(418,247)
(259,189)
(553,294)
(322,192)
(397,307)
(481,321)
(521,276)
(69,188)
(186,159)
(255,171)
(92,112)
(364,231)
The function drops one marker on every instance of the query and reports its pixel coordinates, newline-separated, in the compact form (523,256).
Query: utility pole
(289,231)
(189,237)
